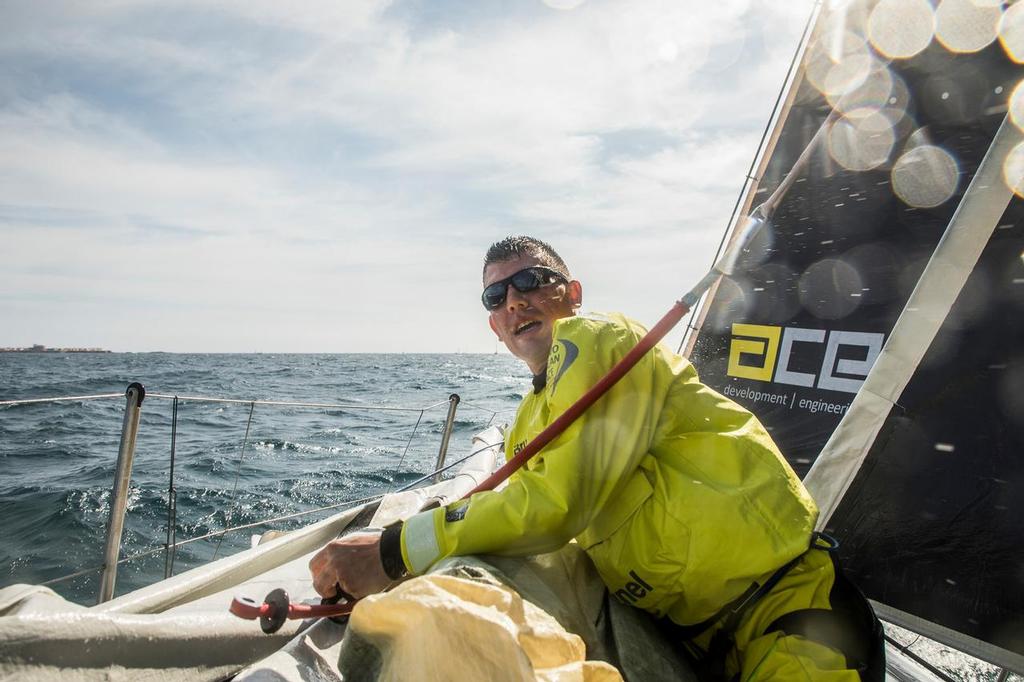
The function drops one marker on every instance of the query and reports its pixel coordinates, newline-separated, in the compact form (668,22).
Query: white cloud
(330,177)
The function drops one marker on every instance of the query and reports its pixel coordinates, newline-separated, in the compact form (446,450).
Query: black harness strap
(731,613)
(710,665)
(850,626)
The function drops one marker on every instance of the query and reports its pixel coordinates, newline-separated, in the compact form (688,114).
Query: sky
(259,176)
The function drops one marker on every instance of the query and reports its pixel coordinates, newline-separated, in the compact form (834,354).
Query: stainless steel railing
(134,396)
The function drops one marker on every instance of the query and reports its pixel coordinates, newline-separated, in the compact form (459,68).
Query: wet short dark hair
(518,246)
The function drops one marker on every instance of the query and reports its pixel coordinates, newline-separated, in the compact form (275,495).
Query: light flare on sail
(862,139)
(838,63)
(925,176)
(830,289)
(1011,32)
(1013,170)
(900,29)
(915,247)
(1016,106)
(965,25)
(734,304)
(873,90)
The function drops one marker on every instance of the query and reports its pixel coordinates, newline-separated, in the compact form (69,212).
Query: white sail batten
(947,271)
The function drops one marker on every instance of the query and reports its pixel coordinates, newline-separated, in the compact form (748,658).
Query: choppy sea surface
(236,464)
(57,460)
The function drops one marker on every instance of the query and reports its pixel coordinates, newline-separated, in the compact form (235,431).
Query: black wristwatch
(391,551)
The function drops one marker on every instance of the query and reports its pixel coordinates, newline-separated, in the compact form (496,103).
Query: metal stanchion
(453,403)
(172,497)
(134,396)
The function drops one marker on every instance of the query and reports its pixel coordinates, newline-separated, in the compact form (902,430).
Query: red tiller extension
(277,608)
(555,428)
(724,266)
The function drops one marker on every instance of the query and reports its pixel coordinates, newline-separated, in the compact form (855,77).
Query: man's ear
(494,328)
(575,290)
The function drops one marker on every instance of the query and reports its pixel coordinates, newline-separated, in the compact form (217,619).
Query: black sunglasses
(525,280)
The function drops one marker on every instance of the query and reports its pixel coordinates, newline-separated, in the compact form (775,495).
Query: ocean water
(57,461)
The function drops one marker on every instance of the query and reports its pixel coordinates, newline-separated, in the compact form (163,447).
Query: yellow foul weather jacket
(678,494)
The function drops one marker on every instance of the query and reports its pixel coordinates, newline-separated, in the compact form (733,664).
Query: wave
(58,459)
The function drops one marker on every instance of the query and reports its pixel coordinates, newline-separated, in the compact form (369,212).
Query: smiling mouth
(525,327)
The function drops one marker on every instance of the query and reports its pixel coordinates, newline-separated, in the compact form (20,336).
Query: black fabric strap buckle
(831,545)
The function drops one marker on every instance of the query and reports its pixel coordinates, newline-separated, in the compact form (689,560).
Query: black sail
(930,522)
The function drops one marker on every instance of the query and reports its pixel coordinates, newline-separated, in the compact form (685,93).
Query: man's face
(524,321)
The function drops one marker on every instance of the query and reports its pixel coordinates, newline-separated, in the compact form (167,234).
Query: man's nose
(514,298)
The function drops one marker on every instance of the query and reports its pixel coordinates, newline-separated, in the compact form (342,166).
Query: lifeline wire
(223,532)
(29,401)
(238,470)
(449,466)
(494,413)
(404,452)
(172,544)
(276,403)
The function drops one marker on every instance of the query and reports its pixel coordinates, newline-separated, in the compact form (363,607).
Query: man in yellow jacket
(677,494)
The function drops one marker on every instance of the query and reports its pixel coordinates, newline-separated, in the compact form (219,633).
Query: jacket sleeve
(559,492)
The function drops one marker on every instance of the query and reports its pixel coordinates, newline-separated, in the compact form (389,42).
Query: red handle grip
(246,608)
(277,608)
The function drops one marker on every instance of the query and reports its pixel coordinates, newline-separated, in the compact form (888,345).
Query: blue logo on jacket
(571,353)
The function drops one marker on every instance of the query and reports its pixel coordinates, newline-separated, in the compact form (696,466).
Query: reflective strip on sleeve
(420,540)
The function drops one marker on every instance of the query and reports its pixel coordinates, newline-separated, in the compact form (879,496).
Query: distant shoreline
(43,349)
(30,351)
